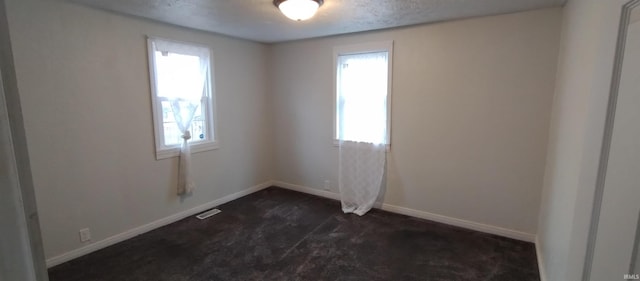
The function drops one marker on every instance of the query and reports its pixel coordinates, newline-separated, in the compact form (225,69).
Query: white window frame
(211,140)
(363,48)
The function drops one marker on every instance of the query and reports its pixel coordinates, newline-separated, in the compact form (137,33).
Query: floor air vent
(208,214)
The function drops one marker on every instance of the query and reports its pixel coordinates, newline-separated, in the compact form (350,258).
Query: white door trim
(608,133)
(21,250)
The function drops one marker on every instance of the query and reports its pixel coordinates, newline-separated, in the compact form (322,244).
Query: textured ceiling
(260,20)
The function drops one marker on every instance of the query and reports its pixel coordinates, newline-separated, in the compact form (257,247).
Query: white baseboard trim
(491,229)
(541,268)
(486,228)
(308,190)
(151,226)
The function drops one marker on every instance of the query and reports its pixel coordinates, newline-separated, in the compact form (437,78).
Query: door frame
(607,136)
(23,252)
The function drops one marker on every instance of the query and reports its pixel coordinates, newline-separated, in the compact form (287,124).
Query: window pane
(362,97)
(172,134)
(198,130)
(198,125)
(178,75)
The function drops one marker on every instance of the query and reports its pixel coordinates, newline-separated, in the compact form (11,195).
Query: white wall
(84,86)
(471,103)
(584,74)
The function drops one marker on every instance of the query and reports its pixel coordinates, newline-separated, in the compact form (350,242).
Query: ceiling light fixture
(298,10)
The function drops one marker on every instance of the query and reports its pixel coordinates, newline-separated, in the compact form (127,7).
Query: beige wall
(471,103)
(584,75)
(84,85)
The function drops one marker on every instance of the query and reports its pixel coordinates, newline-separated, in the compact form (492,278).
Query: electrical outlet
(85,235)
(327,185)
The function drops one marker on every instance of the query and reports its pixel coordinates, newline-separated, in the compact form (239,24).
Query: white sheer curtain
(181,72)
(362,128)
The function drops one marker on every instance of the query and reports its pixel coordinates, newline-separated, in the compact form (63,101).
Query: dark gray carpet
(277,234)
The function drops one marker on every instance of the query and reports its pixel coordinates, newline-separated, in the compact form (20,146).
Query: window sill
(195,148)
(336,143)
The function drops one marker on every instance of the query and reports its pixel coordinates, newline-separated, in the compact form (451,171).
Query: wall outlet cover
(85,235)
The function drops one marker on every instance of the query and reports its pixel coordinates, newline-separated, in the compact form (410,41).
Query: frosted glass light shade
(298,10)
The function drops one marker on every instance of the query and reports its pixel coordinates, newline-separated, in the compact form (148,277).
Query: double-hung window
(362,97)
(181,96)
